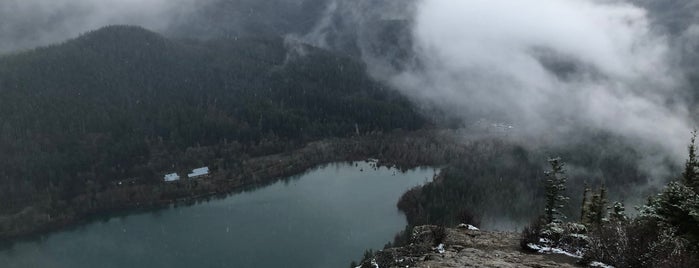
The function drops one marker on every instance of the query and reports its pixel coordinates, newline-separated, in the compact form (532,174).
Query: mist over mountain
(679,22)
(100,99)
(554,70)
(30,23)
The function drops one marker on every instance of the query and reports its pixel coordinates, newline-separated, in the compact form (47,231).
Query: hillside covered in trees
(123,103)
(665,233)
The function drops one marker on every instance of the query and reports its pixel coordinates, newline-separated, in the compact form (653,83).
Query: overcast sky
(30,23)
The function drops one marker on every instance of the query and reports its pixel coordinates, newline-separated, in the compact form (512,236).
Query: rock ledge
(433,246)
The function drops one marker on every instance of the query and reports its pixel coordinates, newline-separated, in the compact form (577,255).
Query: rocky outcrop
(433,246)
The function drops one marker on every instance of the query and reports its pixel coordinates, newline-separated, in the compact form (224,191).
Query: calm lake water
(325,218)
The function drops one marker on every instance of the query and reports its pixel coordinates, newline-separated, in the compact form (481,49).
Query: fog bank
(549,68)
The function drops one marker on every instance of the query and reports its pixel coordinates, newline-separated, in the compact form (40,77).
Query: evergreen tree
(677,206)
(555,190)
(618,212)
(690,176)
(597,208)
(584,205)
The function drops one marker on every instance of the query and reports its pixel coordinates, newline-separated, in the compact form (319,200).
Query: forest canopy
(123,102)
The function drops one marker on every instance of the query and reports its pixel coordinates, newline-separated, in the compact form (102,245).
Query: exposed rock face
(433,246)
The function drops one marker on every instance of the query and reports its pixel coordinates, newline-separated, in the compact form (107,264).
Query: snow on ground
(440,249)
(599,264)
(467,226)
(374,263)
(550,250)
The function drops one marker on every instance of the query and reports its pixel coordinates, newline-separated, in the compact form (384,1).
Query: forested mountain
(122,102)
(260,91)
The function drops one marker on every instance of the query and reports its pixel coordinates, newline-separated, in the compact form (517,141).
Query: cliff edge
(464,246)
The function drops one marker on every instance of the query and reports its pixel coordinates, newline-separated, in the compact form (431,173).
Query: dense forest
(236,86)
(473,187)
(124,103)
(665,233)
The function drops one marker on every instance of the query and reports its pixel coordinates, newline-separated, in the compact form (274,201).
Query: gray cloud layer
(490,55)
(30,23)
(549,67)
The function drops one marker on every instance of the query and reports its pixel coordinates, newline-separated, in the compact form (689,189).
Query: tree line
(124,103)
(664,234)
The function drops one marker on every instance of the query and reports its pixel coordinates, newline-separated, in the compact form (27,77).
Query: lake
(326,217)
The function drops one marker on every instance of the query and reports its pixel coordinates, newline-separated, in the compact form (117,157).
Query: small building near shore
(198,173)
(171,177)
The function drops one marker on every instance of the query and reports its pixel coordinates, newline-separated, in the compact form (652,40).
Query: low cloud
(26,24)
(550,68)
(29,23)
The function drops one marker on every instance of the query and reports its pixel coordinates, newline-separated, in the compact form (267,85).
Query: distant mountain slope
(674,16)
(123,102)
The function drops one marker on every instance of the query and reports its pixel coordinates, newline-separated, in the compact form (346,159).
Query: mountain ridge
(122,102)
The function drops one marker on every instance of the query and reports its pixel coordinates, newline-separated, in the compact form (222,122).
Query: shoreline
(400,150)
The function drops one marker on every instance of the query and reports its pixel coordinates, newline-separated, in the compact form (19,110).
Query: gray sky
(30,23)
